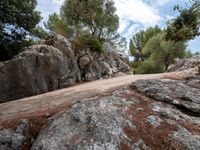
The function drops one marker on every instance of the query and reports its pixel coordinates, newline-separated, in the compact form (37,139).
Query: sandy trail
(52,102)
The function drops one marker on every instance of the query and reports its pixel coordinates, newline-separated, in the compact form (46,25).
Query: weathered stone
(62,44)
(87,125)
(190,141)
(185,64)
(177,93)
(154,120)
(83,61)
(9,140)
(34,71)
(117,123)
(174,114)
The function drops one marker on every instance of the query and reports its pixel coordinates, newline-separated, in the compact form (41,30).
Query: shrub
(95,45)
(87,41)
(148,67)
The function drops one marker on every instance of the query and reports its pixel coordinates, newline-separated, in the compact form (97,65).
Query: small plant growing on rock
(87,41)
(95,45)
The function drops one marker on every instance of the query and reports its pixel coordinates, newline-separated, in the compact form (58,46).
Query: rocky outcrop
(184,94)
(185,64)
(52,65)
(147,114)
(163,115)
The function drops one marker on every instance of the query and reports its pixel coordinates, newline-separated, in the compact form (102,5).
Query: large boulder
(37,70)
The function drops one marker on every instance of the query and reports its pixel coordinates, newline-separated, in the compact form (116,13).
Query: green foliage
(20,14)
(10,49)
(87,41)
(187,25)
(188,54)
(148,66)
(59,25)
(139,40)
(163,53)
(96,16)
(95,45)
(39,32)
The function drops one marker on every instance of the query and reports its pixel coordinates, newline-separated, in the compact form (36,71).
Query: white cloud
(162,2)
(136,11)
(57,1)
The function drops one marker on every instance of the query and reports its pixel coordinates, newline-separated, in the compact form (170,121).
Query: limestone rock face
(52,65)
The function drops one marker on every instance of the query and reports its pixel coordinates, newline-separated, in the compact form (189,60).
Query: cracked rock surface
(128,118)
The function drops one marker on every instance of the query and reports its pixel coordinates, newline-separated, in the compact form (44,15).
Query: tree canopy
(163,53)
(20,13)
(18,16)
(155,49)
(59,25)
(96,16)
(139,40)
(187,25)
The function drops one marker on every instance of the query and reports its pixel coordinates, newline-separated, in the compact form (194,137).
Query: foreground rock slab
(87,125)
(124,119)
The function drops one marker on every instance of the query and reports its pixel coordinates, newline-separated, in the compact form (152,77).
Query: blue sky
(134,15)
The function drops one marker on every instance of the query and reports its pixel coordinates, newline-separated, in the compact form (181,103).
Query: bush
(87,41)
(148,67)
(95,45)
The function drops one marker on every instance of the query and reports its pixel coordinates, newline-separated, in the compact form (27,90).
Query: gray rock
(34,71)
(83,61)
(177,93)
(23,127)
(185,64)
(106,69)
(15,139)
(10,140)
(87,125)
(62,44)
(190,141)
(174,114)
(107,47)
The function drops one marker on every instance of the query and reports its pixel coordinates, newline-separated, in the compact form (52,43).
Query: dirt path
(50,103)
